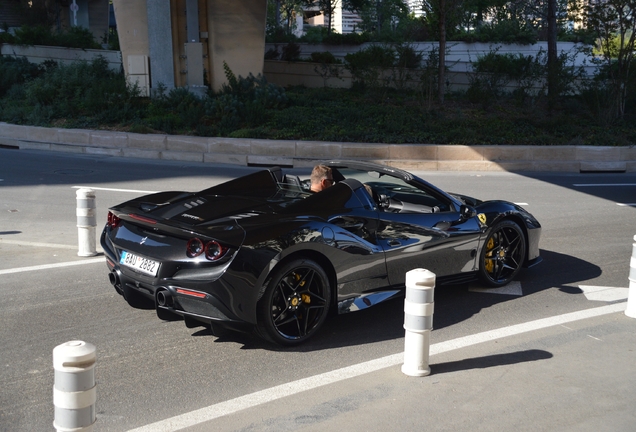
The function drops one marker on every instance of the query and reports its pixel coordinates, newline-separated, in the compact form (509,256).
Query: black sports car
(263,252)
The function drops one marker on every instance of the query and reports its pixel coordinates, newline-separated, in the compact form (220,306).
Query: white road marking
(50,266)
(114,190)
(274,393)
(513,288)
(606,294)
(603,184)
(522,204)
(47,245)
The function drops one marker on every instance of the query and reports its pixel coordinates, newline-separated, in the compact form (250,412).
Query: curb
(289,153)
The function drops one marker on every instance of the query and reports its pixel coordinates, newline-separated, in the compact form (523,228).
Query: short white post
(74,392)
(418,321)
(631,296)
(86,222)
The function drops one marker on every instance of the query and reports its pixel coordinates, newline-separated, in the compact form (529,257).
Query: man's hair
(319,172)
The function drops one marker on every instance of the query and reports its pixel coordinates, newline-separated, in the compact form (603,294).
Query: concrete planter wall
(459,54)
(459,61)
(39,54)
(307,74)
(429,157)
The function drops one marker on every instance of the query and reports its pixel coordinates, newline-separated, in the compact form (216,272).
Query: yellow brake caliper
(306,298)
(489,263)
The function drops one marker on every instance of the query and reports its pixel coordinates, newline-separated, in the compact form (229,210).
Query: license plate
(143,265)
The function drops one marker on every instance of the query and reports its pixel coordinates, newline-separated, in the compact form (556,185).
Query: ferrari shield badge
(482,218)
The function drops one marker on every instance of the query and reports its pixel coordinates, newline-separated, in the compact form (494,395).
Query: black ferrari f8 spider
(263,252)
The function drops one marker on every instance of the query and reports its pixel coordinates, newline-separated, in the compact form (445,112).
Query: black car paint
(365,252)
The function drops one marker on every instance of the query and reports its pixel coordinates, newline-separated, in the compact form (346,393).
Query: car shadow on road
(453,304)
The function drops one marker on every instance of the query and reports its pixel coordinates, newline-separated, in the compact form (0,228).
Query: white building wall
(415,6)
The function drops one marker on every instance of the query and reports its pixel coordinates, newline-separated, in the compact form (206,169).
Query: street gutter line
(278,392)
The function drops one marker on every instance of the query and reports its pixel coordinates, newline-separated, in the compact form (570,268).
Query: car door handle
(394,243)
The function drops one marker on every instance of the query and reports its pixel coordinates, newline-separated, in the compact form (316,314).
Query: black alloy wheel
(295,303)
(503,254)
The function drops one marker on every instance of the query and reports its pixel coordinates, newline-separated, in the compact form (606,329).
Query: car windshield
(383,186)
(376,179)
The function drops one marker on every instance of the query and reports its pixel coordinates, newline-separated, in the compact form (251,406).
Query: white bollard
(86,222)
(631,296)
(418,321)
(74,392)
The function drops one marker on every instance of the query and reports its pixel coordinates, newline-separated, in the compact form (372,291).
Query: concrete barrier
(291,153)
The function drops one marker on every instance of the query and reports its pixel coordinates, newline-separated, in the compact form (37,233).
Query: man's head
(321,178)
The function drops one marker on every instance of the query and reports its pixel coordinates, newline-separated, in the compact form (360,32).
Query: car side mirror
(466,212)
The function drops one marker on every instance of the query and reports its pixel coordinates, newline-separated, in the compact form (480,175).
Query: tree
(328,7)
(281,15)
(377,14)
(552,54)
(614,22)
(444,13)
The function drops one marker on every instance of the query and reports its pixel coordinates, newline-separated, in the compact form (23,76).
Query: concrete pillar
(237,36)
(194,48)
(132,27)
(160,44)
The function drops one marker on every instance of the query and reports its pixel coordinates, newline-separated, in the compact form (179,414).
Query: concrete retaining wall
(39,54)
(429,157)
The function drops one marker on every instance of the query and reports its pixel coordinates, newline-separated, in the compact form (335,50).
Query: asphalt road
(149,370)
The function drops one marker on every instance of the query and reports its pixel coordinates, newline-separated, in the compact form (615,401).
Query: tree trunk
(442,52)
(553,71)
(277,14)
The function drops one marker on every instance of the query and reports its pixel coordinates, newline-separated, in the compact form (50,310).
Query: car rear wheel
(295,303)
(503,254)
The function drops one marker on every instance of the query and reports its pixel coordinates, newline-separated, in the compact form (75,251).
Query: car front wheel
(503,254)
(295,303)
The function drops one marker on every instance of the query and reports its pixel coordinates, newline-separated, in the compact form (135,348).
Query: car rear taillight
(213,249)
(194,248)
(113,221)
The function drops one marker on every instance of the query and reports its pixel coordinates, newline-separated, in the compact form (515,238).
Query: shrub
(329,66)
(6,37)
(324,57)
(272,54)
(505,31)
(16,71)
(290,52)
(74,37)
(366,66)
(492,72)
(81,89)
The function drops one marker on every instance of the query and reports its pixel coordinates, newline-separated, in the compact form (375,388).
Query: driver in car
(321,178)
